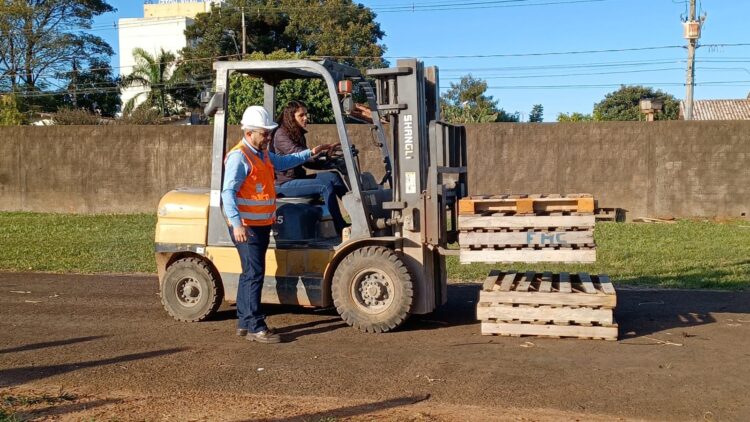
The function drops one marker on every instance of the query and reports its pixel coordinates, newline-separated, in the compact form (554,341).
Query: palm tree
(157,75)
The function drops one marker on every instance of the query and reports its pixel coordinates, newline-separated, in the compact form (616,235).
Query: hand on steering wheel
(335,151)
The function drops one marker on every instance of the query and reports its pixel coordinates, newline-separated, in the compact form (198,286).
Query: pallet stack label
(527,228)
(548,305)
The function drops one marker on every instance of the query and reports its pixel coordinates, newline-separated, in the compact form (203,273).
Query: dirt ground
(102,348)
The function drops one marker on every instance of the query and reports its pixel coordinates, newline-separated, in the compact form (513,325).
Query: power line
(567,66)
(573,74)
(734,83)
(405,7)
(480,5)
(740,83)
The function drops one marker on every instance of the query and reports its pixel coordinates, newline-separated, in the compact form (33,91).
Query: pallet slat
(536,298)
(467,222)
(586,283)
(528,204)
(564,284)
(491,280)
(525,283)
(580,315)
(548,330)
(606,284)
(527,238)
(546,285)
(507,282)
(530,256)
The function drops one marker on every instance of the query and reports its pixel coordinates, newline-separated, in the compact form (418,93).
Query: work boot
(242,332)
(264,336)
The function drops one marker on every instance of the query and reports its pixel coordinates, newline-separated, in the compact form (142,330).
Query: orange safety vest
(256,199)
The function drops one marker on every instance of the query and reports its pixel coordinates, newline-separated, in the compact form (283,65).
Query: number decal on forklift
(279,219)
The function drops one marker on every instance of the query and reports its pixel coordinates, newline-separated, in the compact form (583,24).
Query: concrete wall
(650,169)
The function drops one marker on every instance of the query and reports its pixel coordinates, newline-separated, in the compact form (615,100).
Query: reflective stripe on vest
(255,216)
(241,201)
(256,199)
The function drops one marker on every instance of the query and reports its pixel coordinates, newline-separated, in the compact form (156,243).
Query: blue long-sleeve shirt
(237,168)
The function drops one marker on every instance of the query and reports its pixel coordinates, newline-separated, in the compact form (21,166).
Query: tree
(333,28)
(75,116)
(41,40)
(340,29)
(156,74)
(10,115)
(466,102)
(209,37)
(536,115)
(624,104)
(574,117)
(94,89)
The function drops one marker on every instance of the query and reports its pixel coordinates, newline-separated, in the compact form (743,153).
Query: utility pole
(692,33)
(244,39)
(73,95)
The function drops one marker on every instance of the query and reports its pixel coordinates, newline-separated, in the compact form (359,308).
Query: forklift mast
(429,173)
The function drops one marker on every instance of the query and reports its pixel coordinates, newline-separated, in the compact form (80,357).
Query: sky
(549,52)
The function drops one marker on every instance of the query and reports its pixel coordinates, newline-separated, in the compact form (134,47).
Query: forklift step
(527,204)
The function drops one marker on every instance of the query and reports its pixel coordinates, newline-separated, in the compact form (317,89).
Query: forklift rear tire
(372,289)
(190,291)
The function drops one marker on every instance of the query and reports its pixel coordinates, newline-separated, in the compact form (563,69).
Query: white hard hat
(256,117)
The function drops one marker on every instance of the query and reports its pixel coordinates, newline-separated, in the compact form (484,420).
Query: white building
(163,27)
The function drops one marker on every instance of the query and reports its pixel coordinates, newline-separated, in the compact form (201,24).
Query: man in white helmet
(249,202)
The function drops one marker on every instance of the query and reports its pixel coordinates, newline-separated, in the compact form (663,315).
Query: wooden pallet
(610,214)
(548,305)
(527,204)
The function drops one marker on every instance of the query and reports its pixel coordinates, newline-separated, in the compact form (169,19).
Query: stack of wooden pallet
(609,214)
(527,228)
(548,305)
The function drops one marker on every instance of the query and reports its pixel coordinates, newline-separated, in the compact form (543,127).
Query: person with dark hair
(290,139)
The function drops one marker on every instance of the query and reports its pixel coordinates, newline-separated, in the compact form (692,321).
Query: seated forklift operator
(289,138)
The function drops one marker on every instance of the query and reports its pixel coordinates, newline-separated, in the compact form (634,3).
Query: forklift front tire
(190,291)
(372,289)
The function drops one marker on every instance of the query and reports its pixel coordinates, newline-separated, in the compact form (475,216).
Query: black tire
(372,289)
(190,290)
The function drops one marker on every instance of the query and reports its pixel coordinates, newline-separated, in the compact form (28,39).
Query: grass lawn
(77,243)
(691,254)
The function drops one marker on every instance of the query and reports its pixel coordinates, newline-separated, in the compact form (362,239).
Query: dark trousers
(253,259)
(326,184)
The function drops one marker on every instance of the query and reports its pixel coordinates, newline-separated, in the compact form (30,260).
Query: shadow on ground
(639,311)
(644,312)
(18,376)
(62,410)
(351,411)
(46,344)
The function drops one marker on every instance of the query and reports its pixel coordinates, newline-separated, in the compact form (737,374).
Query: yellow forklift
(389,264)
